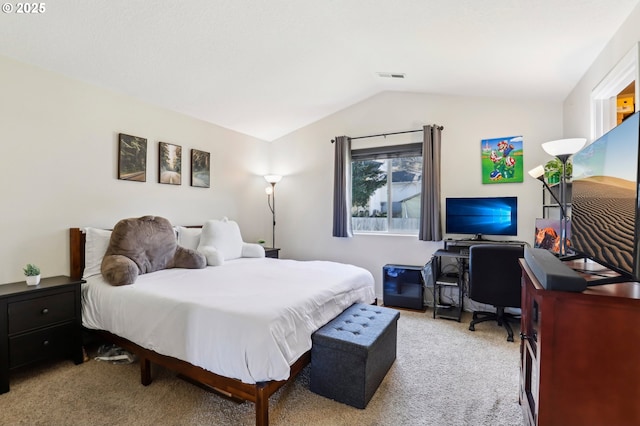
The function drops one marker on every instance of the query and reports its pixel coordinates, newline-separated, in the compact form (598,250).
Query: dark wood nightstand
(271,252)
(39,322)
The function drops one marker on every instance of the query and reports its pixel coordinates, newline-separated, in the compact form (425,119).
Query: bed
(243,328)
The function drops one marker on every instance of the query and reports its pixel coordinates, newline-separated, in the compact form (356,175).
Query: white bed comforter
(248,319)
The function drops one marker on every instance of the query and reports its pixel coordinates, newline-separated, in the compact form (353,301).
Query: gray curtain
(341,188)
(430,227)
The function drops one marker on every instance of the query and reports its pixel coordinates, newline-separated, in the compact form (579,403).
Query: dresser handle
(45,343)
(45,311)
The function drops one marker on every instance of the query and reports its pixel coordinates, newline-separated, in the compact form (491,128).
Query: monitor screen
(482,216)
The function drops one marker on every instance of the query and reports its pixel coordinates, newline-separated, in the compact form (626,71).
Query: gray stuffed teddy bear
(142,245)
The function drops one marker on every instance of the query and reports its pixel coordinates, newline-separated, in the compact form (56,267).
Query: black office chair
(494,279)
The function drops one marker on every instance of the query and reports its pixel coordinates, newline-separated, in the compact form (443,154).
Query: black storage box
(402,286)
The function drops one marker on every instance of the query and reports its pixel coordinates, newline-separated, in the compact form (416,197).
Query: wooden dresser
(39,322)
(580,354)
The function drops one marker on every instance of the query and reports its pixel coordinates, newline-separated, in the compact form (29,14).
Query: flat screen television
(480,216)
(604,203)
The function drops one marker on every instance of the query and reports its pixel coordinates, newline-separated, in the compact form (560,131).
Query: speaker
(551,272)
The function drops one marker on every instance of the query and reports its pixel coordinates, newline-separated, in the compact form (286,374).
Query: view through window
(386,193)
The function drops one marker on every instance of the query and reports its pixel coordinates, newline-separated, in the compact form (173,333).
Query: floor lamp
(562,149)
(271,201)
(538,173)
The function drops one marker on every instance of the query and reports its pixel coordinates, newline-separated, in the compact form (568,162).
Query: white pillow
(252,250)
(96,244)
(189,237)
(220,241)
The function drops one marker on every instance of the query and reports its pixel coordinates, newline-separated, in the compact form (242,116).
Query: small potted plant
(553,169)
(32,272)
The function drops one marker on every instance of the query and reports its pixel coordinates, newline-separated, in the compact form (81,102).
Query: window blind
(383,152)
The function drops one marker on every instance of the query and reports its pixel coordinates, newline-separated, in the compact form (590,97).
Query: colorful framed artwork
(548,235)
(132,158)
(502,160)
(170,164)
(200,168)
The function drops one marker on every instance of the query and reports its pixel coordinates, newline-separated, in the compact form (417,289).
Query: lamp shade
(564,146)
(272,178)
(537,172)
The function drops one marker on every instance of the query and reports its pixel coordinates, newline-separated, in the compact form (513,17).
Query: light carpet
(444,374)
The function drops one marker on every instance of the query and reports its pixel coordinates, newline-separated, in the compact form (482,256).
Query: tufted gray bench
(352,353)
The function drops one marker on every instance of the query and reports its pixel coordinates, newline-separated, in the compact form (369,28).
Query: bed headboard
(77,240)
(76,252)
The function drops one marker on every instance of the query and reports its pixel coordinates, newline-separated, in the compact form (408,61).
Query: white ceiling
(266,68)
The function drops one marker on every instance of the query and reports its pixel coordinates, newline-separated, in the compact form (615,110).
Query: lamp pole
(563,199)
(271,200)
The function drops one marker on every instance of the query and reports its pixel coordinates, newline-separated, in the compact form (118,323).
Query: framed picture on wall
(502,160)
(170,164)
(200,168)
(132,158)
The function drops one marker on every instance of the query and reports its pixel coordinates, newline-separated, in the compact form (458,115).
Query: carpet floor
(444,374)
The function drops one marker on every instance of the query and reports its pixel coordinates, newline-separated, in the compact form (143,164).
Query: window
(386,189)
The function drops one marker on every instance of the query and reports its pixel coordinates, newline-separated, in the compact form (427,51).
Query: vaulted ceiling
(266,68)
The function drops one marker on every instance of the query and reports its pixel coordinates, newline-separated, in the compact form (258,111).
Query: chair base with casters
(500,316)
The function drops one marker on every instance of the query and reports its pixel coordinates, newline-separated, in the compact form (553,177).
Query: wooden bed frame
(258,393)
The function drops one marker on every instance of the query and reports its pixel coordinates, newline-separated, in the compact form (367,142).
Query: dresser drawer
(41,344)
(41,311)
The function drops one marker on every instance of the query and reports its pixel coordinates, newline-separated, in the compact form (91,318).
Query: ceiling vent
(391,74)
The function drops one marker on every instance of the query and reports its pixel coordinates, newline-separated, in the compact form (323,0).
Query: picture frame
(502,160)
(548,234)
(132,158)
(200,168)
(169,163)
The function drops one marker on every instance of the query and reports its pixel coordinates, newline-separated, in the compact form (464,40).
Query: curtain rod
(388,134)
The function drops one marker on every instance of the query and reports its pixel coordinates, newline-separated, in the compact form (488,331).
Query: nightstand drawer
(41,311)
(41,344)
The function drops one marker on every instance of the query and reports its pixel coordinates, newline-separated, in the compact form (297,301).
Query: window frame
(387,152)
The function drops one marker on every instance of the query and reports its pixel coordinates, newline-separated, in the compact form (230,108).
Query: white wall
(577,106)
(305,158)
(59,145)
(59,141)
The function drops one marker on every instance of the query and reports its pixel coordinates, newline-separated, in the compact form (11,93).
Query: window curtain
(342,188)
(430,227)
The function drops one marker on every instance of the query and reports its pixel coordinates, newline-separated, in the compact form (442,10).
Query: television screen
(482,216)
(604,209)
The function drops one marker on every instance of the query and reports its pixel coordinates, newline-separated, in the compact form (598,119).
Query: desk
(458,251)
